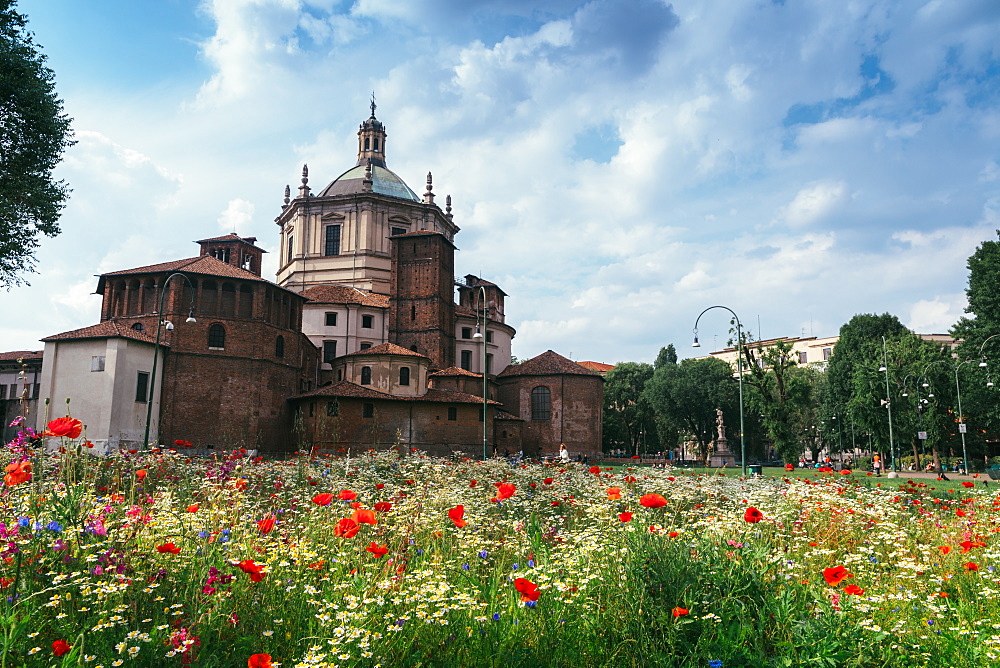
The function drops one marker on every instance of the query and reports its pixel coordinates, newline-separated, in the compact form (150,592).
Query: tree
(688,394)
(628,417)
(34,131)
(666,356)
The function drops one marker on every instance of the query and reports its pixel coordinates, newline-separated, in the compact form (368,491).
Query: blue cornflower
(24,522)
(530,604)
(496,616)
(531,563)
(54,526)
(202,534)
(715,663)
(930,622)
(483,553)
(419,551)
(465,567)
(514,568)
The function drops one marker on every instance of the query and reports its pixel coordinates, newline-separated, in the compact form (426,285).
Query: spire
(304,188)
(429,193)
(366,184)
(288,195)
(447,207)
(371,140)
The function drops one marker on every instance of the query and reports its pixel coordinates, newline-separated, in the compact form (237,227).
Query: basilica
(368,338)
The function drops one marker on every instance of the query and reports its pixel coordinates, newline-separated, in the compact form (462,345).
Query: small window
(366,375)
(803,357)
(289,257)
(365,346)
(340,375)
(279,346)
(480,413)
(331,319)
(466,359)
(216,337)
(141,387)
(404,375)
(826,353)
(138,327)
(396,231)
(452,413)
(466,332)
(329,351)
(366,321)
(489,363)
(413,311)
(312,408)
(332,408)
(489,336)
(97,363)
(331,244)
(541,406)
(35,389)
(368,410)
(3,391)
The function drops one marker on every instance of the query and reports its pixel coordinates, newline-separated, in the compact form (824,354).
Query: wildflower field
(382,559)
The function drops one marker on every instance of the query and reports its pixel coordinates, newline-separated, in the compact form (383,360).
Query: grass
(175,567)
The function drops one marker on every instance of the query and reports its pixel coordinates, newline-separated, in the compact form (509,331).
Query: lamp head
(169,326)
(190,317)
(881,368)
(478,335)
(696,344)
(989,383)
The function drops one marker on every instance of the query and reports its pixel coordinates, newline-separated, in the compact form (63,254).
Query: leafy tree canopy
(34,131)
(983,296)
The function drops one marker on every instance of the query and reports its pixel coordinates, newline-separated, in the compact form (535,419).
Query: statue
(719,424)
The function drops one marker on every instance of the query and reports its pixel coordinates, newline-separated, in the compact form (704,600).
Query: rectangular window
(332,241)
(826,353)
(480,413)
(365,346)
(366,321)
(368,410)
(489,336)
(466,332)
(3,391)
(141,387)
(288,258)
(452,413)
(329,351)
(466,359)
(97,363)
(803,358)
(35,389)
(489,363)
(396,231)
(13,391)
(331,319)
(332,408)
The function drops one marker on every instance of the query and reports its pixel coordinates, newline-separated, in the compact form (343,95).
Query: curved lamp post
(739,367)
(888,403)
(481,335)
(156,346)
(958,393)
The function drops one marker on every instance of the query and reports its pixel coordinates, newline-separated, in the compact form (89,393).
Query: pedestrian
(877,465)
(563,453)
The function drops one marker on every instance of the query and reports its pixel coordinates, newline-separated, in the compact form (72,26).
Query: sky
(616,166)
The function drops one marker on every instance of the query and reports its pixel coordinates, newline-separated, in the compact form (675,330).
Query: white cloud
(937,315)
(237,217)
(814,203)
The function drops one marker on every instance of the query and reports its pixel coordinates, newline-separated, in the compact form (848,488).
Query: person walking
(563,453)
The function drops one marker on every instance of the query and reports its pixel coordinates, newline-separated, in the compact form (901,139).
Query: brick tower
(421,302)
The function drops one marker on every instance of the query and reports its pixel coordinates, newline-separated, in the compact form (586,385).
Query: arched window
(217,336)
(279,346)
(366,375)
(404,375)
(138,327)
(541,406)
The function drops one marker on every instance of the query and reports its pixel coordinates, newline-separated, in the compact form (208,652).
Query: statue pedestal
(721,456)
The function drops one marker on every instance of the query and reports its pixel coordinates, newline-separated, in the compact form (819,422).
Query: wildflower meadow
(399,559)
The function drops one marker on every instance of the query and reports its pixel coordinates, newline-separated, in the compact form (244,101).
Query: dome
(384,182)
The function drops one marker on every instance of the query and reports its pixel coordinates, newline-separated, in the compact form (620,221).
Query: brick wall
(575,416)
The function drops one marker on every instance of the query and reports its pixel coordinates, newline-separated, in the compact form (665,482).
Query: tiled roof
(347,389)
(205,265)
(548,363)
(232,236)
(504,415)
(387,349)
(105,330)
(465,310)
(599,367)
(20,354)
(344,294)
(455,371)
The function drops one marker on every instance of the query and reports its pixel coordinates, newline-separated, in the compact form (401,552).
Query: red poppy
(383,506)
(60,647)
(825,469)
(347,495)
(789,467)
(168,548)
(679,612)
(845,472)
(259,661)
(64,426)
(547,481)
(625,517)
(966,483)
(835,575)
(967,545)
(673,534)
(945,549)
(255,571)
(472,483)
(266,525)
(378,551)
(380,486)
(323,499)
(346,528)
(630,479)
(970,566)
(505,490)
(141,474)
(527,589)
(364,516)
(854,590)
(753,515)
(456,514)
(193,508)
(614,493)
(596,470)
(16,473)
(652,501)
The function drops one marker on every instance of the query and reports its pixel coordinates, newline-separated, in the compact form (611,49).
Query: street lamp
(958,393)
(481,336)
(739,367)
(156,346)
(888,403)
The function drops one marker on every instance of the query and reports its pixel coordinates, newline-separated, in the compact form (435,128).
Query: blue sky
(616,166)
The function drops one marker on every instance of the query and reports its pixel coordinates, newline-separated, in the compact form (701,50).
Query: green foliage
(34,131)
(628,417)
(983,296)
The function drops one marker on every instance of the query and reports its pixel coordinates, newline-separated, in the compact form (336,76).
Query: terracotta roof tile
(455,371)
(205,265)
(15,355)
(548,363)
(347,389)
(504,415)
(104,330)
(599,367)
(387,349)
(232,236)
(465,310)
(344,294)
